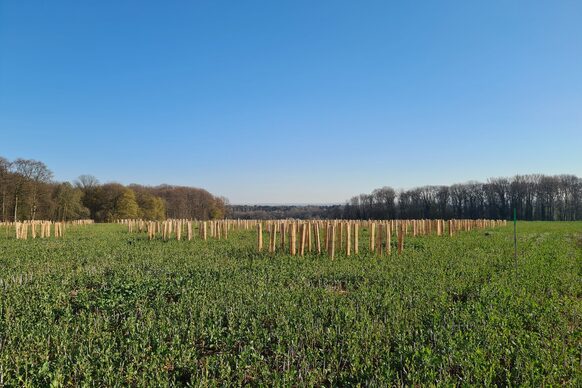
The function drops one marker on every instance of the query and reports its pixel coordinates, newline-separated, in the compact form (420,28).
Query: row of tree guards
(321,236)
(344,236)
(182,229)
(40,228)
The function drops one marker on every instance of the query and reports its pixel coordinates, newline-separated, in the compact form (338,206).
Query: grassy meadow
(102,307)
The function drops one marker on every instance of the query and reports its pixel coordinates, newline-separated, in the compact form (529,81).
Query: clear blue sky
(292,101)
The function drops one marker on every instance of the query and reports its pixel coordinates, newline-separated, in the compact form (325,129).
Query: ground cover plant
(101,306)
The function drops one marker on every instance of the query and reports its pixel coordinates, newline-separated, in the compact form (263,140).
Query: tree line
(28,192)
(535,197)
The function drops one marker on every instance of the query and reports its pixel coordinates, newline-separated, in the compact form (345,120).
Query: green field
(103,307)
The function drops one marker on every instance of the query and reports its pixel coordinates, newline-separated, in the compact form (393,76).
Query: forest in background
(534,196)
(28,192)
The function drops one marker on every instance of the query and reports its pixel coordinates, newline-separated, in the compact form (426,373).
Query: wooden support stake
(356,238)
(332,245)
(379,240)
(372,236)
(293,240)
(274,237)
(388,240)
(348,239)
(309,239)
(259,237)
(326,236)
(283,231)
(303,239)
(341,236)
(317,238)
(401,240)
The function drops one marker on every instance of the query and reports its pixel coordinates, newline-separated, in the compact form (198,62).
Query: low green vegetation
(102,307)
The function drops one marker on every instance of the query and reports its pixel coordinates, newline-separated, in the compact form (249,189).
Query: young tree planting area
(130,304)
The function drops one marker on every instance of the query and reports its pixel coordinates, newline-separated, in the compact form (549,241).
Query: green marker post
(515,235)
